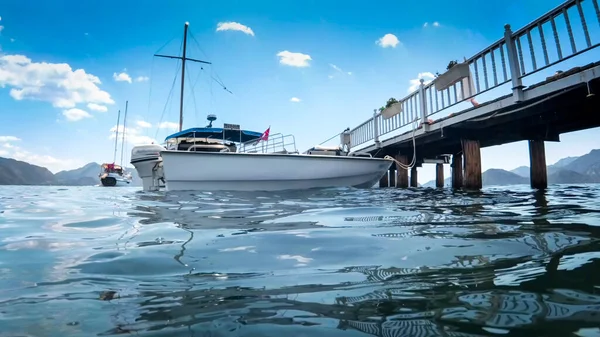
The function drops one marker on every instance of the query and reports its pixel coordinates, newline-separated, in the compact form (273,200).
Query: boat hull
(268,172)
(114,180)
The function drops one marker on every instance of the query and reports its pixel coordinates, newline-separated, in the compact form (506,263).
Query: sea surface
(94,261)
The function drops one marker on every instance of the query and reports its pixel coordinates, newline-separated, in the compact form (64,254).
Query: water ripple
(83,261)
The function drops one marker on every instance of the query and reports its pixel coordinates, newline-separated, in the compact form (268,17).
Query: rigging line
(193,93)
(168,99)
(150,91)
(220,81)
(170,92)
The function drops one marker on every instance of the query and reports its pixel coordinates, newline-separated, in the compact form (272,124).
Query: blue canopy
(217,133)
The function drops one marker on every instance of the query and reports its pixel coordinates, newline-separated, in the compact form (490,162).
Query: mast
(183,60)
(117,136)
(123,141)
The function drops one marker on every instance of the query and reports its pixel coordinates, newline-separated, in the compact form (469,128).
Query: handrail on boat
(277,143)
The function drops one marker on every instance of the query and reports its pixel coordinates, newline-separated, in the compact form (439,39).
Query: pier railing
(510,59)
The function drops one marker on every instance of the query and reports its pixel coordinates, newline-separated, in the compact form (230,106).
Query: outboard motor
(148,163)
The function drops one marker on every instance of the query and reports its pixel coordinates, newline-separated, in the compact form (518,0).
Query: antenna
(211,118)
(117,136)
(183,59)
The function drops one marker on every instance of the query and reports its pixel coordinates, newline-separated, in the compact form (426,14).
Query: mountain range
(14,172)
(570,170)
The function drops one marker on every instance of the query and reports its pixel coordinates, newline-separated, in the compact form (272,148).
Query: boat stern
(148,163)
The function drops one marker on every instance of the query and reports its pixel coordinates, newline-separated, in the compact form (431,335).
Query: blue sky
(65,62)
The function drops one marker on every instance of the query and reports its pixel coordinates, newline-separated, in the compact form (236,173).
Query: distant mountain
(14,172)
(86,175)
(502,177)
(569,170)
(523,171)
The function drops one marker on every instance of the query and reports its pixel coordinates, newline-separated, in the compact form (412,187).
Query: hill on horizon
(15,172)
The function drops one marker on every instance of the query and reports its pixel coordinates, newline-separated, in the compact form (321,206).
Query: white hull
(267,172)
(115,180)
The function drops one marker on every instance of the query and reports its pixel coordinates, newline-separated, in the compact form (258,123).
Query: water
(92,261)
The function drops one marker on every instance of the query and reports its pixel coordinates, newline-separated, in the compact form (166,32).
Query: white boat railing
(277,143)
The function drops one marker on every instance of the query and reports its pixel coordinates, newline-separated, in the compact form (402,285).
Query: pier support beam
(384,181)
(392,176)
(439,175)
(471,150)
(537,167)
(457,171)
(402,174)
(413,177)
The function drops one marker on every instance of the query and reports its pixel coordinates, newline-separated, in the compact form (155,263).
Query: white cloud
(294,59)
(142,78)
(122,77)
(436,24)
(75,114)
(425,24)
(143,124)
(295,99)
(414,83)
(168,125)
(223,26)
(133,136)
(8,139)
(52,163)
(388,40)
(1,28)
(97,107)
(56,83)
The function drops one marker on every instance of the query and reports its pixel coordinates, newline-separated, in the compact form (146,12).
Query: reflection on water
(340,262)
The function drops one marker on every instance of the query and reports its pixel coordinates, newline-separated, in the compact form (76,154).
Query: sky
(310,68)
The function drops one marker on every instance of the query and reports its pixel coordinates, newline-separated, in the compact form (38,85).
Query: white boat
(233,159)
(112,175)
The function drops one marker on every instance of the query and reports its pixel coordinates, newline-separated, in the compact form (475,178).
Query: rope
(414,159)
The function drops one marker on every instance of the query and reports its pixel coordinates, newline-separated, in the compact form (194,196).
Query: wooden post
(413,177)
(439,175)
(392,178)
(457,171)
(402,174)
(537,168)
(384,181)
(472,179)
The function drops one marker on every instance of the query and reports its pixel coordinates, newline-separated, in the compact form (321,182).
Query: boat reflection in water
(271,265)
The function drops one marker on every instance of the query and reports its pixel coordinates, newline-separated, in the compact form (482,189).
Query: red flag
(264,136)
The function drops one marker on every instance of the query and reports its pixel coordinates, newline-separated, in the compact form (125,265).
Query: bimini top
(217,133)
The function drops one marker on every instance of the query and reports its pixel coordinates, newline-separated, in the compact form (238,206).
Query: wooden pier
(563,102)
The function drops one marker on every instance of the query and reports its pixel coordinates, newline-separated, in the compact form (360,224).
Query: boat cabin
(111,168)
(210,139)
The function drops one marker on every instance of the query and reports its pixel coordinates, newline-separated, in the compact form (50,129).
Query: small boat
(229,158)
(114,175)
(111,174)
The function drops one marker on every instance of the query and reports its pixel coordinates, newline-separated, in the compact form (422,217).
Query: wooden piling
(392,177)
(413,177)
(439,175)
(472,178)
(384,181)
(402,174)
(537,167)
(457,171)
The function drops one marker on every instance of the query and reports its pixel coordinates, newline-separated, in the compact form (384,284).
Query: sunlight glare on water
(93,261)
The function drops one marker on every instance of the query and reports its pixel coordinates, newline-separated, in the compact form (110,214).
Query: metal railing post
(513,62)
(423,103)
(375,129)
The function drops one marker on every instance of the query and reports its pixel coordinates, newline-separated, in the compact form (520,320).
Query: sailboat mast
(185,29)
(183,59)
(123,140)
(117,136)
